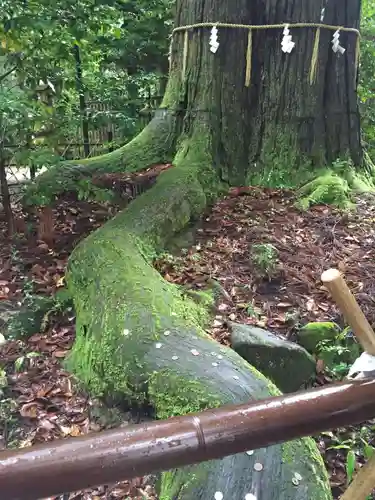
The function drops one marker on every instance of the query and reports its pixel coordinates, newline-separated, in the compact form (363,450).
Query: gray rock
(22,321)
(8,310)
(287,364)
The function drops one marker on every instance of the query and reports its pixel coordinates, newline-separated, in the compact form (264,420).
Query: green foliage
(86,190)
(366,88)
(339,353)
(311,334)
(265,258)
(123,48)
(20,117)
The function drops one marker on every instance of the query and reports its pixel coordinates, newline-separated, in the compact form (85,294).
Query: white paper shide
(286,44)
(214,40)
(336,47)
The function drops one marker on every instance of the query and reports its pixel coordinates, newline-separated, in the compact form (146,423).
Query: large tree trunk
(280,126)
(141,338)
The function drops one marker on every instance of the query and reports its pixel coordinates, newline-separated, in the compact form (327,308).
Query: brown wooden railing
(74,464)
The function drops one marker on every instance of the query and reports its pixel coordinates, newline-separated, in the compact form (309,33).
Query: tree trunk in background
(82,100)
(281,123)
(5,198)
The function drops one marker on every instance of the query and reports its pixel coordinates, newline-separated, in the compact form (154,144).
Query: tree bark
(82,100)
(280,124)
(5,196)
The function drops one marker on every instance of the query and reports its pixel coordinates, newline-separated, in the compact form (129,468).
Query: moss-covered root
(139,337)
(154,145)
(333,188)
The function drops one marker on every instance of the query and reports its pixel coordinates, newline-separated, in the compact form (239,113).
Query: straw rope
(266,26)
(251,27)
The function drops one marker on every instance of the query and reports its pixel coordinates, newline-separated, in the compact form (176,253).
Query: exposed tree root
(154,145)
(140,338)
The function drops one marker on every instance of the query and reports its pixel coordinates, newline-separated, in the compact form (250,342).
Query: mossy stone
(311,334)
(286,363)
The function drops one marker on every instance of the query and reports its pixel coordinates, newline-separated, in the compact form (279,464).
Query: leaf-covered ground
(41,402)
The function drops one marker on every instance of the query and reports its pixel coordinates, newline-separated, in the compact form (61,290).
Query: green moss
(172,394)
(335,186)
(313,465)
(329,189)
(311,334)
(281,164)
(204,298)
(183,482)
(120,252)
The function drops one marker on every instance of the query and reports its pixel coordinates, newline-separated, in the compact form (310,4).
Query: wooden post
(363,484)
(349,307)
(364,481)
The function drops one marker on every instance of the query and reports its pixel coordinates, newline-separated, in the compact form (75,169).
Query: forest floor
(43,404)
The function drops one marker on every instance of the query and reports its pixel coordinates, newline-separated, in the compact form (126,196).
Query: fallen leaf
(29,410)
(60,354)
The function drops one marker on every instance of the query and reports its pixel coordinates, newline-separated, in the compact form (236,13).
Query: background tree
(366,87)
(40,41)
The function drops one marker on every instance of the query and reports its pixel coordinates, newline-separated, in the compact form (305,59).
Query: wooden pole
(363,484)
(349,307)
(364,481)
(65,465)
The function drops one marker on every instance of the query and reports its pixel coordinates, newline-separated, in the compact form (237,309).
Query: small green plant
(25,361)
(339,353)
(252,311)
(89,192)
(62,301)
(265,258)
(3,381)
(355,443)
(350,465)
